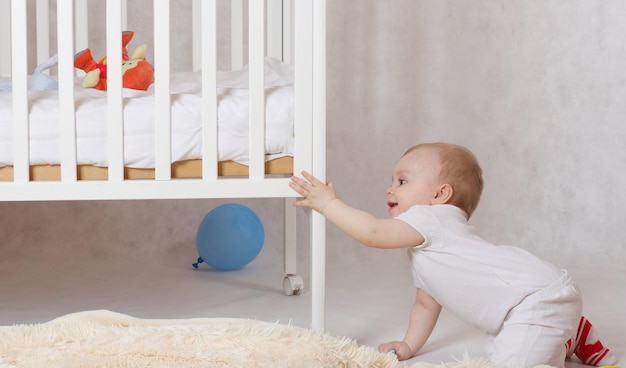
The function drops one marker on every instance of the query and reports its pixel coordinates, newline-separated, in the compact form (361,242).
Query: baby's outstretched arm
(360,225)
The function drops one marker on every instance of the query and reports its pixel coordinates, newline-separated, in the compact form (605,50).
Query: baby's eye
(402,181)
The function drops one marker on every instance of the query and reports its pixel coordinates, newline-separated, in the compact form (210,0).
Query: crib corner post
(318,222)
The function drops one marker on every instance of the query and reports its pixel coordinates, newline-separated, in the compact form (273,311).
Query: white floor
(365,301)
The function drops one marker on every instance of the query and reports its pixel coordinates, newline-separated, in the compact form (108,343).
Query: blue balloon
(229,237)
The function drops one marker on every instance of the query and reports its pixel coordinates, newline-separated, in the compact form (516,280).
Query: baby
(529,309)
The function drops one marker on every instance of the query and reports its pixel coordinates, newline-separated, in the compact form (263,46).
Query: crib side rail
(210,186)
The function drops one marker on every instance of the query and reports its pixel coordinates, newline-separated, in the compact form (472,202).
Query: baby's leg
(536,330)
(527,345)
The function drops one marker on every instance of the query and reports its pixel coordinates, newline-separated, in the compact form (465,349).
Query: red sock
(588,348)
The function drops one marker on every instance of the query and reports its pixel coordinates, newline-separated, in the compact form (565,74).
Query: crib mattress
(139,110)
(180,170)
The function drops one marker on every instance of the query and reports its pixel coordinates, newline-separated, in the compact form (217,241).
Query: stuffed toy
(38,81)
(137,73)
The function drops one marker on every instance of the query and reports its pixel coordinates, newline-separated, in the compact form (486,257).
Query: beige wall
(536,89)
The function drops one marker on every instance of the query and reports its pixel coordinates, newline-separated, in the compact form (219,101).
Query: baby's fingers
(312,179)
(301,203)
(299,185)
(296,185)
(300,190)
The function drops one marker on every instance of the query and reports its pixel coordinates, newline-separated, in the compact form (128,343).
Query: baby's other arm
(362,226)
(422,320)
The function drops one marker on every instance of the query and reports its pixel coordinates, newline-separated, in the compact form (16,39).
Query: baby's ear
(444,194)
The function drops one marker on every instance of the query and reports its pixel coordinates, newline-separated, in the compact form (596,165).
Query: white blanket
(139,110)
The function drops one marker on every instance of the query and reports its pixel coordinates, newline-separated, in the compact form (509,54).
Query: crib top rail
(299,27)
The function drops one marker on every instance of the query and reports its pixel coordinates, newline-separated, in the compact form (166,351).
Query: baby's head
(460,169)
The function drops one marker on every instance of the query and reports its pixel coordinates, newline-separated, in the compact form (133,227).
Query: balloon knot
(200,260)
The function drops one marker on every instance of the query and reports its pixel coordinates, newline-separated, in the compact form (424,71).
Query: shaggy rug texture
(112,340)
(108,339)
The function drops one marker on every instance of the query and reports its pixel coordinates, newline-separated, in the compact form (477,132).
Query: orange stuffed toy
(137,73)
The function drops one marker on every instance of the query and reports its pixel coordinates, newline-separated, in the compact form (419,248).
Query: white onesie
(484,284)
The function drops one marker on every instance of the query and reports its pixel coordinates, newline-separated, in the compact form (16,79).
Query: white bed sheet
(139,110)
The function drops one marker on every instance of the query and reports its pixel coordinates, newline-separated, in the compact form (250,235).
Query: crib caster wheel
(292,285)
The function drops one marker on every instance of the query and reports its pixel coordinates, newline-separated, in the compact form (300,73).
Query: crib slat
(67,118)
(256,65)
(236,34)
(209,90)
(20,91)
(5,38)
(114,90)
(162,121)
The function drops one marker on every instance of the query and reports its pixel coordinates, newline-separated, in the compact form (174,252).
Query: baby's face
(414,181)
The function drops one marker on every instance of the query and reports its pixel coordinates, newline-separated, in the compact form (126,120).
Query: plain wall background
(536,89)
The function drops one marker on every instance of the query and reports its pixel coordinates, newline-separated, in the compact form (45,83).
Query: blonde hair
(460,169)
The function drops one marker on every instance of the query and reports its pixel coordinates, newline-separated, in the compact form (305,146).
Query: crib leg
(292,283)
(318,270)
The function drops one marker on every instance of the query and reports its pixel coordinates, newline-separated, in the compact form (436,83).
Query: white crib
(293,30)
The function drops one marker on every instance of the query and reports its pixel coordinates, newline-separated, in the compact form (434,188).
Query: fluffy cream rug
(108,339)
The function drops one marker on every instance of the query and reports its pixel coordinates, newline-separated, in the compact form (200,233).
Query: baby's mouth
(391,205)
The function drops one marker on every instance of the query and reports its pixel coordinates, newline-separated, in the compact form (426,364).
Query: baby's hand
(402,349)
(317,195)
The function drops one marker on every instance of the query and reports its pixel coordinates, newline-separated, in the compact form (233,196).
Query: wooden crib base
(180,170)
